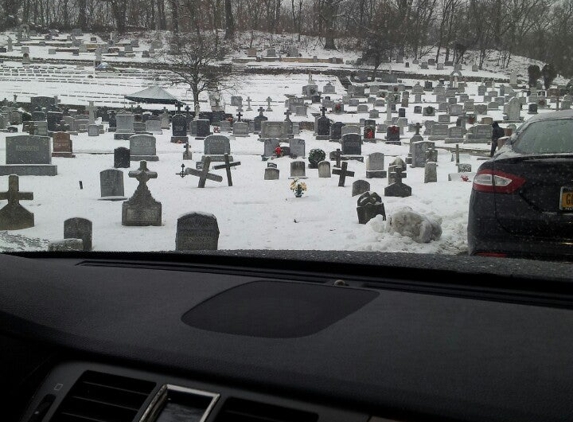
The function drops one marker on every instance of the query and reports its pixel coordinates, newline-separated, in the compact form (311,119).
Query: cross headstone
(204,174)
(239,115)
(14,216)
(227,166)
(269,99)
(249,104)
(337,155)
(141,209)
(91,112)
(343,172)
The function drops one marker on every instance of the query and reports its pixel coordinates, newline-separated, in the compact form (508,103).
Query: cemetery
(76,149)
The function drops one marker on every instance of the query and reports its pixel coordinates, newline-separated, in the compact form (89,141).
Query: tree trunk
(229,21)
(82,18)
(174,16)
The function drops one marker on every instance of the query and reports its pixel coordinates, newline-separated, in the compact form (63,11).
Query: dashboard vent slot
(101,397)
(239,410)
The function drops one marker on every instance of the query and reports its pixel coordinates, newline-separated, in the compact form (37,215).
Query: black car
(521,203)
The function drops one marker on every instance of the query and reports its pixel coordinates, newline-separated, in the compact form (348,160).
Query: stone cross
(269,99)
(13,195)
(323,109)
(418,127)
(260,110)
(249,104)
(343,172)
(204,173)
(239,115)
(142,174)
(287,114)
(399,174)
(227,166)
(91,112)
(337,156)
(187,109)
(178,107)
(14,216)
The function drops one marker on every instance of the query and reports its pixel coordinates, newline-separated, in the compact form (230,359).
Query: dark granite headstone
(111,185)
(369,205)
(197,231)
(351,144)
(121,157)
(79,228)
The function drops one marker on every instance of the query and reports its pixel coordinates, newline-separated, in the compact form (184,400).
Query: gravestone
(430,172)
(270,145)
(121,157)
(297,147)
(216,146)
(141,209)
(28,155)
(336,131)
(369,205)
(179,129)
(197,231)
(351,145)
(324,169)
(359,187)
(259,119)
(271,173)
(124,126)
(54,118)
(79,228)
(93,130)
(396,187)
(342,173)
(62,145)
(375,166)
(142,147)
(393,135)
(297,170)
(240,129)
(323,126)
(153,126)
(203,128)
(272,130)
(14,216)
(111,185)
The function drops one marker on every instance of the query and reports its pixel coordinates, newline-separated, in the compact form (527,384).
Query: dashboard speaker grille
(102,397)
(239,410)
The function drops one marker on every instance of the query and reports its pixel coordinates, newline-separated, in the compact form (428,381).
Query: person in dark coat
(497,133)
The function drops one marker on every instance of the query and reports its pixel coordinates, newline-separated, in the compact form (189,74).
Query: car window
(546,137)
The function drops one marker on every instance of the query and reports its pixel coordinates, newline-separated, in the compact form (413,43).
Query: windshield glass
(173,125)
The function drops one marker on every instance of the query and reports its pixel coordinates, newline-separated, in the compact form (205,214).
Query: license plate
(566,200)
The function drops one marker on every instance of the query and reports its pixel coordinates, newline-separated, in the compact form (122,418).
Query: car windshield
(546,137)
(347,125)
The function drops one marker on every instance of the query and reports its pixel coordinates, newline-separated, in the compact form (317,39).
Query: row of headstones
(195,231)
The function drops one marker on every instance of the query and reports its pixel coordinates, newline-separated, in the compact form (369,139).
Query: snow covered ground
(253,213)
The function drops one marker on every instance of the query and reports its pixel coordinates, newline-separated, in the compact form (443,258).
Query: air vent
(103,397)
(238,410)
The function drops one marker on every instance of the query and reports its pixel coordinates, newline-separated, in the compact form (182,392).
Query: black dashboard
(284,336)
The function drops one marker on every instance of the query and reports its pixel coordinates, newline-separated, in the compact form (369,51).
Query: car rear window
(546,137)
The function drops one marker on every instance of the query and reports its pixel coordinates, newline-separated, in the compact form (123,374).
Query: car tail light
(496,182)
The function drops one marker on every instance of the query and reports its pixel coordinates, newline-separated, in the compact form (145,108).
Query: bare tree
(195,60)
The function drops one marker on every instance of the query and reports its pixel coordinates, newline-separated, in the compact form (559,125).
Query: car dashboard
(284,336)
